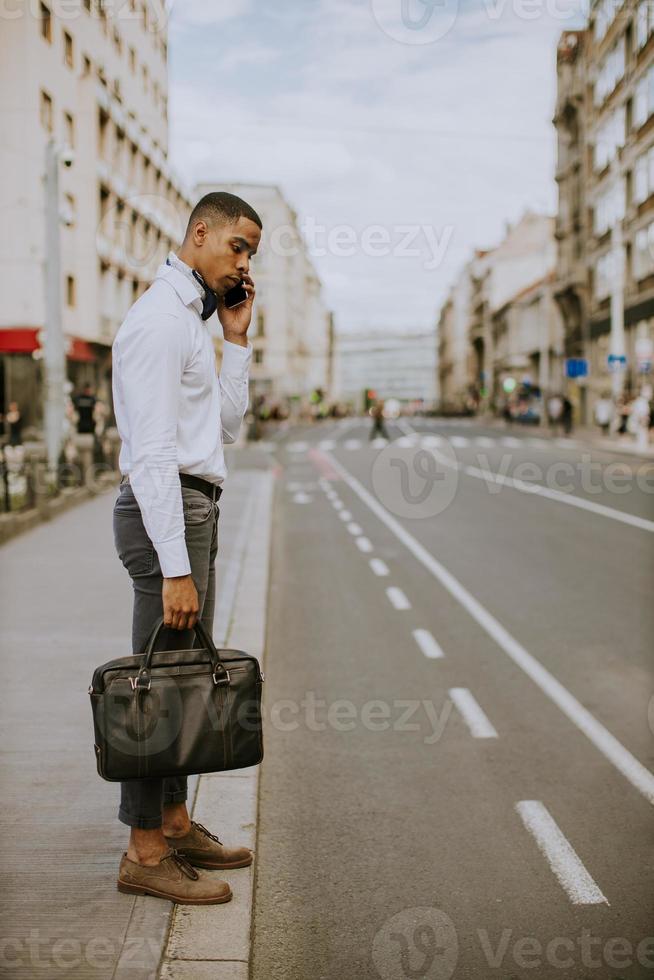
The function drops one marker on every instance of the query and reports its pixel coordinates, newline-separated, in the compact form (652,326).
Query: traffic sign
(576,367)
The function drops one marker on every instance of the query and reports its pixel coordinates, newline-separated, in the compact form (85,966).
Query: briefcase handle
(220,672)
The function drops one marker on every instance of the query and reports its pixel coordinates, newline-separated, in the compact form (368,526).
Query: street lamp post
(54,348)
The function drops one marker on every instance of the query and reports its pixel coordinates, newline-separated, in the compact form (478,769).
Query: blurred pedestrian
(554,412)
(15,424)
(604,413)
(84,406)
(623,410)
(567,415)
(378,427)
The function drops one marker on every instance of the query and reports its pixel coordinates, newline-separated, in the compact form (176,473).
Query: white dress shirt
(173,411)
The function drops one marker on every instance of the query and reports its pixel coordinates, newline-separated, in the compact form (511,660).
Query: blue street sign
(576,367)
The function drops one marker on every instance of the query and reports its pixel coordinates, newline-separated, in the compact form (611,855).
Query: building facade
(292,330)
(92,78)
(398,364)
(605,172)
(500,321)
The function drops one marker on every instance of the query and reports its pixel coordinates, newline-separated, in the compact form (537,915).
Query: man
(85,406)
(174,414)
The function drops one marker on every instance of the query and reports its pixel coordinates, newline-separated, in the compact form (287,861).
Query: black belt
(211,490)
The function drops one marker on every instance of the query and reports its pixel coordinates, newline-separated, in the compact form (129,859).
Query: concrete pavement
(66,607)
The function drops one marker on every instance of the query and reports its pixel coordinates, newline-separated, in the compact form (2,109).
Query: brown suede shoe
(173,878)
(204,850)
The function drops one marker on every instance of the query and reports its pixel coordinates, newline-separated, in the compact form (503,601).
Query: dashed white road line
(511,442)
(428,644)
(484,441)
(459,441)
(326,444)
(613,750)
(397,598)
(561,856)
(345,515)
(302,498)
(364,544)
(354,528)
(378,566)
(337,504)
(472,714)
(297,447)
(352,444)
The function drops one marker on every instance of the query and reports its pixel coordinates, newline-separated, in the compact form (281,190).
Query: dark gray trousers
(142,800)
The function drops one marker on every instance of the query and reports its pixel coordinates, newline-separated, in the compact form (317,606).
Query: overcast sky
(422,126)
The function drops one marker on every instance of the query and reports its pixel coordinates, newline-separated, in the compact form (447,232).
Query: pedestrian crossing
(432,441)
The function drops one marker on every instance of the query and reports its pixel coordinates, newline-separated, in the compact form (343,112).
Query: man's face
(225,253)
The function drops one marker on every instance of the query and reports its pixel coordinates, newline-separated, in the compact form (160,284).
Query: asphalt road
(459,724)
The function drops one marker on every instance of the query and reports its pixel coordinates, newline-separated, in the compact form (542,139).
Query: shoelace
(184,865)
(204,830)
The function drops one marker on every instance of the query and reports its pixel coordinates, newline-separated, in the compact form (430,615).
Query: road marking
(302,498)
(345,515)
(428,644)
(354,528)
(405,442)
(511,442)
(484,441)
(378,566)
(337,504)
(326,444)
(378,442)
(537,442)
(567,443)
(472,714)
(633,770)
(364,544)
(352,444)
(459,441)
(397,598)
(297,447)
(561,856)
(428,441)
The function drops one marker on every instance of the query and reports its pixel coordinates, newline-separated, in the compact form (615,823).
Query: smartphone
(235,296)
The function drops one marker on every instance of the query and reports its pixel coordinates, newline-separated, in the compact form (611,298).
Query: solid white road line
(398,598)
(561,856)
(428,644)
(364,544)
(355,528)
(633,770)
(378,566)
(537,490)
(472,714)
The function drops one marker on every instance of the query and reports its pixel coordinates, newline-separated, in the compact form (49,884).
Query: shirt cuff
(236,359)
(173,557)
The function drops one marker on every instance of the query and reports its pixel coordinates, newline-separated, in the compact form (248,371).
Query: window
(603,276)
(132,60)
(643,253)
(611,70)
(86,65)
(261,323)
(643,99)
(145,78)
(644,23)
(46,23)
(609,137)
(68,49)
(604,16)
(87,6)
(70,210)
(610,207)
(70,291)
(257,356)
(46,111)
(69,129)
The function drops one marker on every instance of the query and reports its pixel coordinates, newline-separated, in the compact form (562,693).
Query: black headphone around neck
(210,301)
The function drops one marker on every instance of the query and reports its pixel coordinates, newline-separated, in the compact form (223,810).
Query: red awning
(79,350)
(24,340)
(18,340)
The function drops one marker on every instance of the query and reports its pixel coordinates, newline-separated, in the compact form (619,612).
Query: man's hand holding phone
(235,311)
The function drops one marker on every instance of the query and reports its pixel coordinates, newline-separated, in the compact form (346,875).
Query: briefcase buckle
(222,680)
(136,685)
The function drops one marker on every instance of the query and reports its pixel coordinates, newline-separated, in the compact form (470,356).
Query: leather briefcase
(177,712)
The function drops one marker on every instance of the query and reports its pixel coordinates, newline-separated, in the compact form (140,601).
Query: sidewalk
(66,607)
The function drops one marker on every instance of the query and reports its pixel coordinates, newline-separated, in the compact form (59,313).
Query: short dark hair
(222,208)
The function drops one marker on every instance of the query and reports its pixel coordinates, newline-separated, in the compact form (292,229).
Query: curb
(214,941)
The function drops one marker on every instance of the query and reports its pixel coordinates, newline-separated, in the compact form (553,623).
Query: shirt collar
(185,285)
